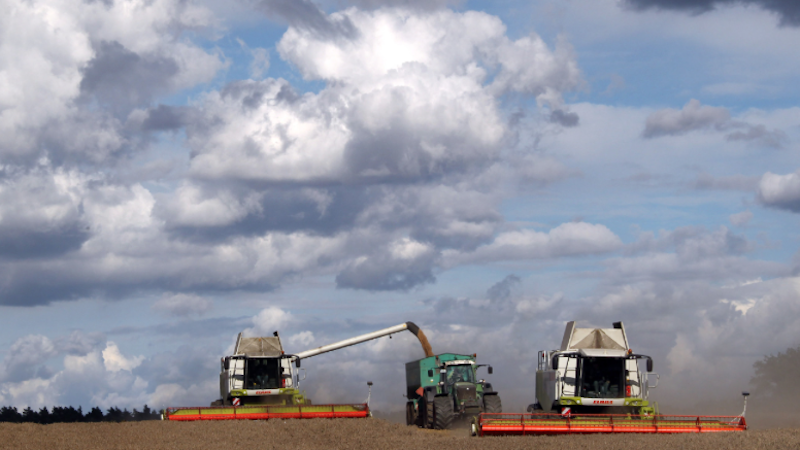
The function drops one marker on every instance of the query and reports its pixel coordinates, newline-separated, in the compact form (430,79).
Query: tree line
(61,414)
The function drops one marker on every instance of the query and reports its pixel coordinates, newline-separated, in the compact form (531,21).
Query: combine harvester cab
(595,384)
(445,388)
(261,381)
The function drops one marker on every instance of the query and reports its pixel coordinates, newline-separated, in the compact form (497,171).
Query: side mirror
(491,371)
(649,364)
(297,363)
(555,362)
(227,363)
(430,372)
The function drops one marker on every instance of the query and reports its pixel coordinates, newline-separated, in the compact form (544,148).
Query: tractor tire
(492,404)
(443,412)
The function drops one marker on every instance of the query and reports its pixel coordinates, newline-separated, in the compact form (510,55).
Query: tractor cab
(459,373)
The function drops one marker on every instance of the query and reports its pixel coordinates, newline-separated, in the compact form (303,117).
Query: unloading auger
(261,381)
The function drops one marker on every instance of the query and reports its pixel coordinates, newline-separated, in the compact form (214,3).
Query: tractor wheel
(410,416)
(492,404)
(443,415)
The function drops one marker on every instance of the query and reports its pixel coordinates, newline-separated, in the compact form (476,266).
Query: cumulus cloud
(25,357)
(693,116)
(267,321)
(780,191)
(567,239)
(62,58)
(398,149)
(40,212)
(409,4)
(689,253)
(114,360)
(401,265)
(787,10)
(92,372)
(306,15)
(407,99)
(760,134)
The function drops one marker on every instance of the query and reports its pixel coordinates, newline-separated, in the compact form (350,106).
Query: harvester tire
(492,404)
(443,412)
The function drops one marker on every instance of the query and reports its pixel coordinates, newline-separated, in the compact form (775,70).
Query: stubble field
(368,434)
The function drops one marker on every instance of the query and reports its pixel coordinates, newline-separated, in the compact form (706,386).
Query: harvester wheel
(492,404)
(443,414)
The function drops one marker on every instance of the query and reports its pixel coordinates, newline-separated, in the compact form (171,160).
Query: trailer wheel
(492,404)
(426,413)
(443,414)
(410,414)
(429,414)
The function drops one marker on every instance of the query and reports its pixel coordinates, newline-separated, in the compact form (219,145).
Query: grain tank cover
(259,346)
(594,338)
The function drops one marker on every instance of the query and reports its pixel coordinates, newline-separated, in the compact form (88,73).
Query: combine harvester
(595,384)
(259,382)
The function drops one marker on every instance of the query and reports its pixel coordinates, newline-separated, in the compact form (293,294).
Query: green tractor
(445,388)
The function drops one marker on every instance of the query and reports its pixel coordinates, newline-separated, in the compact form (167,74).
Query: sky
(174,172)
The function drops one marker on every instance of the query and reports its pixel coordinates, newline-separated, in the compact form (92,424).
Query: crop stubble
(368,434)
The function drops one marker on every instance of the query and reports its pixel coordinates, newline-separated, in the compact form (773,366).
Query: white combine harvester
(595,371)
(260,381)
(595,383)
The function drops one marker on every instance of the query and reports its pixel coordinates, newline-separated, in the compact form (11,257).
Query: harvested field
(369,434)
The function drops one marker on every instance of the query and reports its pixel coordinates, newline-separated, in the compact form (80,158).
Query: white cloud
(531,307)
(188,206)
(693,116)
(50,50)
(567,239)
(303,339)
(406,99)
(267,321)
(25,356)
(114,360)
(780,191)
